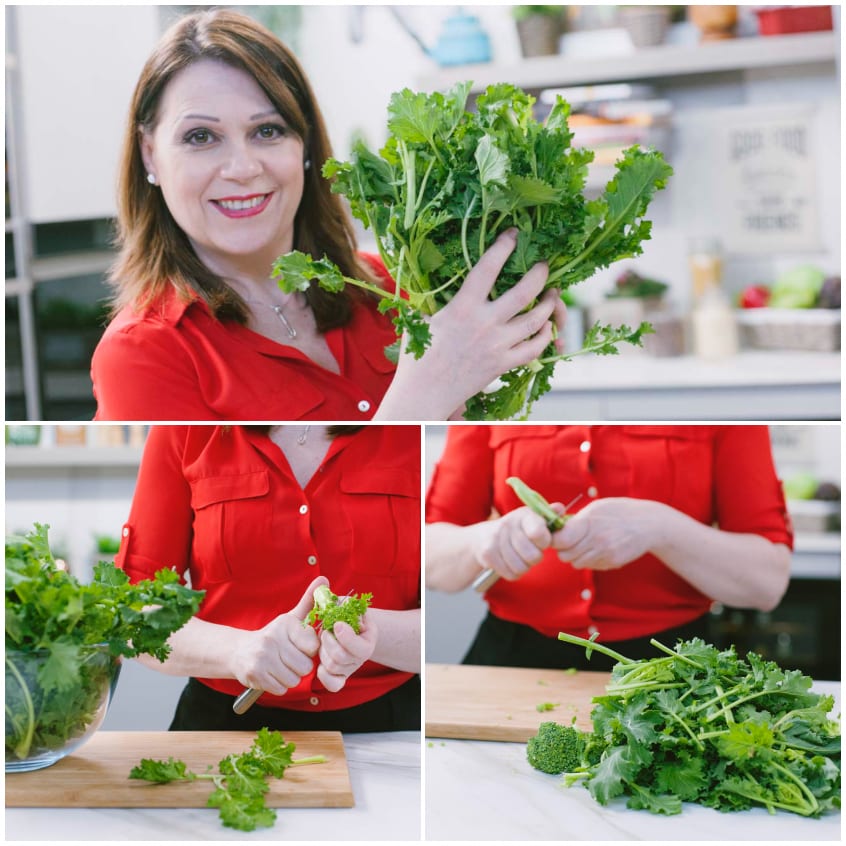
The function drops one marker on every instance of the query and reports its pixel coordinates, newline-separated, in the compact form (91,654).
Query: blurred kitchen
(741,279)
(803,632)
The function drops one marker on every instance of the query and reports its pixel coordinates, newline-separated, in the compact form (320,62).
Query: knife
(554,521)
(247,698)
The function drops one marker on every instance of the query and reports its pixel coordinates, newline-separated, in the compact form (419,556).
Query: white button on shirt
(586,593)
(592,491)
(592,630)
(303,509)
(584,446)
(312,559)
(364,405)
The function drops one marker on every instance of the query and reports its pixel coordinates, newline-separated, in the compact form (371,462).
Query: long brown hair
(154,252)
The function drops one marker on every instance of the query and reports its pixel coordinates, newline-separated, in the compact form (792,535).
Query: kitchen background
(79,479)
(743,100)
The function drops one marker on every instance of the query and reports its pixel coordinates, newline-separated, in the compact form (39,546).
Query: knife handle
(246,700)
(485,580)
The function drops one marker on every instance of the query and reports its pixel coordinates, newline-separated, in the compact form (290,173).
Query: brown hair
(154,251)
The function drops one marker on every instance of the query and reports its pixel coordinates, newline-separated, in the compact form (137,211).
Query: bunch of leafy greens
(76,632)
(449,181)
(699,724)
(329,608)
(240,782)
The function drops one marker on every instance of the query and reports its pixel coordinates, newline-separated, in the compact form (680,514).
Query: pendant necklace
(301,438)
(279,311)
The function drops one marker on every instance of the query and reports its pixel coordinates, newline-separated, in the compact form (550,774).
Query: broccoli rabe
(330,609)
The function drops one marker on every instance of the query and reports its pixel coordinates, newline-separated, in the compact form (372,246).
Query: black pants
(202,709)
(504,644)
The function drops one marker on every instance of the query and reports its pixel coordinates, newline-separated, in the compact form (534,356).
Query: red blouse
(180,363)
(721,475)
(221,504)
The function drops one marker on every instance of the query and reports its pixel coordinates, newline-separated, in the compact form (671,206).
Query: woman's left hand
(343,651)
(609,533)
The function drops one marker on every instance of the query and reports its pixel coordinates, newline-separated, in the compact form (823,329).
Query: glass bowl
(53,708)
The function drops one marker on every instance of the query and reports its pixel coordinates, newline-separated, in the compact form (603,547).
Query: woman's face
(230,170)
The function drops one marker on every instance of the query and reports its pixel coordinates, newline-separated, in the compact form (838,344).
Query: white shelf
(665,61)
(30,457)
(68,265)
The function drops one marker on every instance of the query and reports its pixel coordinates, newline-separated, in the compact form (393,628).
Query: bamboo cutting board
(469,702)
(97,774)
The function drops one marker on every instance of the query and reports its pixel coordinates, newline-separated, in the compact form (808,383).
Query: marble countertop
(385,777)
(480,790)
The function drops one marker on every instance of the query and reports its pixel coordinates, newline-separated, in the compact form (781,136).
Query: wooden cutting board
(469,702)
(97,774)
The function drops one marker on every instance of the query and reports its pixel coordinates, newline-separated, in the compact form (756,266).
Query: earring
(307,165)
(151,178)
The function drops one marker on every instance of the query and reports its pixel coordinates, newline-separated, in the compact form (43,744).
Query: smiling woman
(220,175)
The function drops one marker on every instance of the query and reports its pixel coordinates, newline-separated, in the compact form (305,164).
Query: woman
(258,517)
(220,175)
(665,521)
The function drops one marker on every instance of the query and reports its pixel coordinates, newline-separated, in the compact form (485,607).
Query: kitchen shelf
(662,62)
(32,457)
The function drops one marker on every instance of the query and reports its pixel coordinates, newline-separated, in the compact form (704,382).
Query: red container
(780,21)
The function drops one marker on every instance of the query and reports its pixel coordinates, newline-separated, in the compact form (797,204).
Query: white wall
(77,67)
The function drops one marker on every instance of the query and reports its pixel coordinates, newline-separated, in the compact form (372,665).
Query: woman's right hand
(476,339)
(512,544)
(275,657)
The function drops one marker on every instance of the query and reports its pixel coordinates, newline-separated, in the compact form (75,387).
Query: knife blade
(554,521)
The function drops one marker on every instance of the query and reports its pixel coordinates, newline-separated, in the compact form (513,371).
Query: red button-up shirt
(175,361)
(221,505)
(719,475)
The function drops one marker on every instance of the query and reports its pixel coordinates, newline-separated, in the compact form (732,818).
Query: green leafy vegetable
(546,706)
(240,782)
(62,638)
(330,609)
(449,181)
(699,724)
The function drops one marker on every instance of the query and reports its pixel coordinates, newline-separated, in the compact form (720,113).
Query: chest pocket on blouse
(232,518)
(672,464)
(382,511)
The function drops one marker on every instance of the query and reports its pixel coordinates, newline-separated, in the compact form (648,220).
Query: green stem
(592,644)
(464,224)
(672,652)
(313,759)
(23,746)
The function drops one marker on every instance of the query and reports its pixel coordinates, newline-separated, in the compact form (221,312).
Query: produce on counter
(240,782)
(449,181)
(808,486)
(798,287)
(754,296)
(699,724)
(631,284)
(63,639)
(330,609)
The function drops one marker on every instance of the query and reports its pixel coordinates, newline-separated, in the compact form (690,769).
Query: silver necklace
(303,436)
(280,313)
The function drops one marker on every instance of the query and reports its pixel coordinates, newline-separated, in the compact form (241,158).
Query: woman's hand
(275,657)
(342,652)
(513,543)
(609,533)
(475,339)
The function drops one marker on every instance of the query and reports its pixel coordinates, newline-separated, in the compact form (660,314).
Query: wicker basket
(815,329)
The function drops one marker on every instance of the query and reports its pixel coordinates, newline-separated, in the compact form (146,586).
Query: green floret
(556,748)
(330,609)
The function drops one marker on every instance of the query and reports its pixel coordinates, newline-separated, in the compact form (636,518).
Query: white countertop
(480,790)
(385,777)
(637,370)
(748,386)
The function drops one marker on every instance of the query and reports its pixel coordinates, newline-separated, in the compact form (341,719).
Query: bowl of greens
(45,723)
(65,640)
